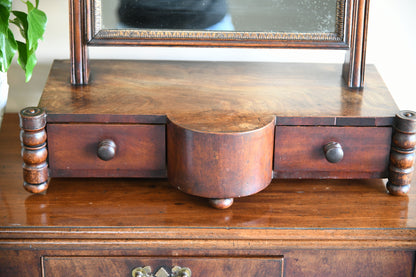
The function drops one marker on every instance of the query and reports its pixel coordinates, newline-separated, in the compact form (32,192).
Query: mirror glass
(288,16)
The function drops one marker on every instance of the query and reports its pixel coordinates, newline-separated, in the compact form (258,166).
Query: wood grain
(78,24)
(199,266)
(403,150)
(354,65)
(220,164)
(314,225)
(141,150)
(155,90)
(299,152)
(314,204)
(34,151)
(215,97)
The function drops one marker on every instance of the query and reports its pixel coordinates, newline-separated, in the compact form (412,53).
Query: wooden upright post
(402,156)
(354,65)
(78,49)
(34,151)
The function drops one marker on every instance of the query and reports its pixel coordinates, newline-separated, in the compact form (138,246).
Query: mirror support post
(354,65)
(78,14)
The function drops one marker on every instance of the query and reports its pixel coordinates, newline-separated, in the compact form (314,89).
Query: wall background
(391,47)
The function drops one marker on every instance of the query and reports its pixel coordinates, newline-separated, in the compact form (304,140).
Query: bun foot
(397,190)
(221,203)
(36,188)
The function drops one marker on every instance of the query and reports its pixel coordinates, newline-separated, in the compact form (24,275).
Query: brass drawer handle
(142,272)
(106,149)
(146,271)
(181,272)
(333,152)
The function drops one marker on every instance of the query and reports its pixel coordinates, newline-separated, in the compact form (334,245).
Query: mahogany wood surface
(299,152)
(34,151)
(403,150)
(221,102)
(220,165)
(313,227)
(78,23)
(140,150)
(200,266)
(315,204)
(354,65)
(226,92)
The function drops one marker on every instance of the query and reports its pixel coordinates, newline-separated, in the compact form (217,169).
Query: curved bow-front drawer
(331,152)
(106,150)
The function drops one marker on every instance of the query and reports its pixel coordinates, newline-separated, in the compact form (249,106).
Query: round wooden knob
(333,152)
(106,149)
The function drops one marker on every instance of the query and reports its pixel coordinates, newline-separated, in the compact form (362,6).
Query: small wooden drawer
(299,152)
(162,267)
(138,150)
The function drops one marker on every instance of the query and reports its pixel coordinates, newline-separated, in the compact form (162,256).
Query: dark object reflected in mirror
(173,14)
(297,16)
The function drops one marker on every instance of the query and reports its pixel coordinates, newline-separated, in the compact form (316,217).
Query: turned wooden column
(34,151)
(402,155)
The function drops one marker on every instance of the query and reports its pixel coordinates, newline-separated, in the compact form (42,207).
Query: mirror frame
(101,36)
(350,34)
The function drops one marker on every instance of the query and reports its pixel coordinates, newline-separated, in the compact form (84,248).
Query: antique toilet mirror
(217,130)
(324,24)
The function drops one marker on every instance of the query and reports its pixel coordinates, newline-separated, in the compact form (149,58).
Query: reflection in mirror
(294,16)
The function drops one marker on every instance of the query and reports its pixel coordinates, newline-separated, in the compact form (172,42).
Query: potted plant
(31,25)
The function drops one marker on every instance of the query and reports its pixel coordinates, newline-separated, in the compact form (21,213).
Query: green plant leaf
(29,5)
(8,4)
(27,59)
(22,59)
(20,21)
(7,50)
(4,17)
(8,44)
(30,65)
(36,20)
(31,25)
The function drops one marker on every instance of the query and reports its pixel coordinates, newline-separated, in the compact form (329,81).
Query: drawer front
(162,267)
(139,150)
(299,152)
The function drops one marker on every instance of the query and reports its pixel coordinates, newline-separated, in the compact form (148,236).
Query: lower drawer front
(299,152)
(140,150)
(161,267)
